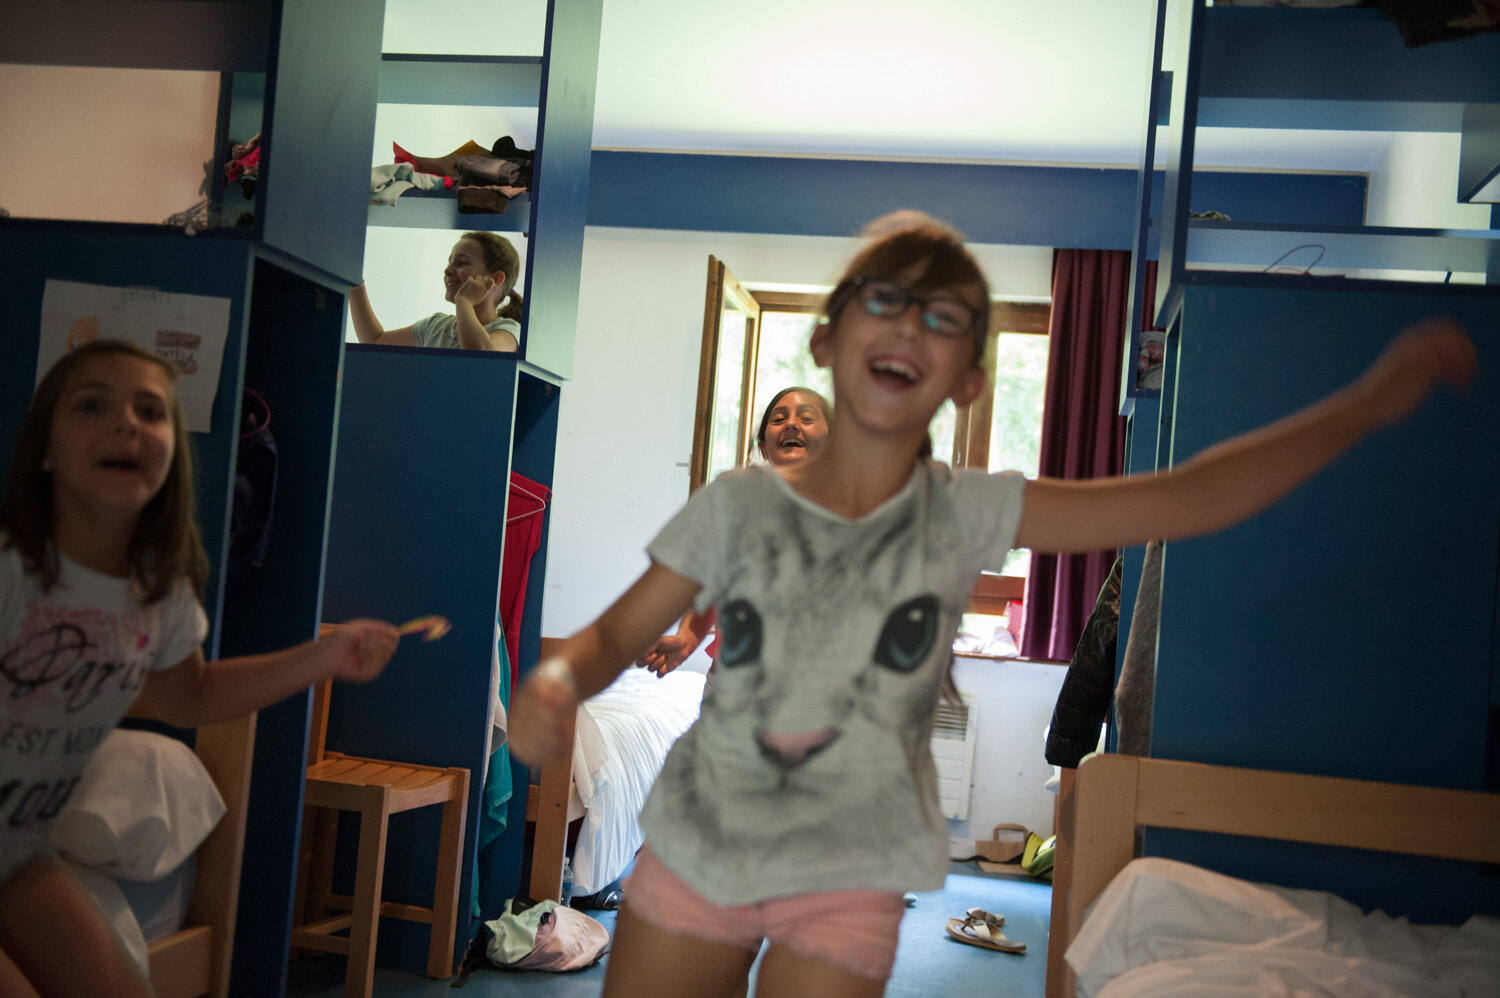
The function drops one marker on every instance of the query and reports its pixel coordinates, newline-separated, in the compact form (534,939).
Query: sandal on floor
(980,915)
(978,932)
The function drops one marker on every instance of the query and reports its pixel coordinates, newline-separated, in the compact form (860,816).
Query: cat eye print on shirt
(739,633)
(908,634)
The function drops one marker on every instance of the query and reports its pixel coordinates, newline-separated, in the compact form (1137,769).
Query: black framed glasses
(942,313)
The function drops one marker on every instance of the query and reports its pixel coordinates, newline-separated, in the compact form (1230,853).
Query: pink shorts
(856,930)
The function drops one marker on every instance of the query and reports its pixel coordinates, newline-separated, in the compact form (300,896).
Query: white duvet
(623,735)
(1163,929)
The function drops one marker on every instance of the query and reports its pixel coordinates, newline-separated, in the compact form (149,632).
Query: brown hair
(499,254)
(165,544)
(903,238)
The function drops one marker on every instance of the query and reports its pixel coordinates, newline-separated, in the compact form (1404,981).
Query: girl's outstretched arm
(671,650)
(196,692)
(1237,478)
(542,711)
(368,328)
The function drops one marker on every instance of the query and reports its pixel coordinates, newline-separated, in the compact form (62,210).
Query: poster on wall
(187,331)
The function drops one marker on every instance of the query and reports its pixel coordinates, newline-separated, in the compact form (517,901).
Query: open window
(722,418)
(755,343)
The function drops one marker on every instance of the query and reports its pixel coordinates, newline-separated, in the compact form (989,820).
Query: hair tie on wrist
(558,668)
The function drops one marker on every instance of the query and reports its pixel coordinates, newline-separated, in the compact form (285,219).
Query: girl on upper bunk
(101,572)
(803,802)
(793,426)
(480,282)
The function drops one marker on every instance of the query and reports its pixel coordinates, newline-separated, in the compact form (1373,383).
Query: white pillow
(112,904)
(144,804)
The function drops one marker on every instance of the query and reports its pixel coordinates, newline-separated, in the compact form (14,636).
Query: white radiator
(953,735)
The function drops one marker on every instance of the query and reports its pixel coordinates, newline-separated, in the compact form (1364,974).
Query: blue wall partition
(560,184)
(534,453)
(417,527)
(292,360)
(1349,629)
(126,256)
(316,136)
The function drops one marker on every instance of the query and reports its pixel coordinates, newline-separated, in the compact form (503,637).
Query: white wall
(106,145)
(1416,185)
(1015,705)
(625,437)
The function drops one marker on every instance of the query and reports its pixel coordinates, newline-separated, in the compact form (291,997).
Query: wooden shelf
(419,209)
(468,81)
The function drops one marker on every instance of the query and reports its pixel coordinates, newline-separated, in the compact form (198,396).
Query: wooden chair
(375,790)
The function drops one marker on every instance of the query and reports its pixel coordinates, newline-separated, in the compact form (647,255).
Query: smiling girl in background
(479,281)
(792,427)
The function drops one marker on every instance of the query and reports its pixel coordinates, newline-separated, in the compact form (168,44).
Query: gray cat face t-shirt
(810,768)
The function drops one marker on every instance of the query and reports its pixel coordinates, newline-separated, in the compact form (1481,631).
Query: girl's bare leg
(13,983)
(647,962)
(57,939)
(786,973)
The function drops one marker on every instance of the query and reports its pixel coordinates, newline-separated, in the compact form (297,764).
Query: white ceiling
(1055,81)
(1045,81)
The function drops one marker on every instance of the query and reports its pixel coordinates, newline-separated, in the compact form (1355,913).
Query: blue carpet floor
(928,963)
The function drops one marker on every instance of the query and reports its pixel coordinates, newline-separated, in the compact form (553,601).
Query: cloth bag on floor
(544,936)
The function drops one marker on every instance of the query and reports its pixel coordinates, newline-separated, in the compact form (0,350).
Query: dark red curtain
(1083,435)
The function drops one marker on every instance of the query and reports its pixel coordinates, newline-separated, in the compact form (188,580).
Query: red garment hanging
(523,535)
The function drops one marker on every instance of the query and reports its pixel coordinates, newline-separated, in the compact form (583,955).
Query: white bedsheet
(1164,929)
(623,735)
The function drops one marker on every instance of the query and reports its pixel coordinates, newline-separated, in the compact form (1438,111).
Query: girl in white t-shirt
(803,801)
(101,571)
(480,282)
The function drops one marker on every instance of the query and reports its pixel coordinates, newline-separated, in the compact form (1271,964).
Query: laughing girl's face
(796,428)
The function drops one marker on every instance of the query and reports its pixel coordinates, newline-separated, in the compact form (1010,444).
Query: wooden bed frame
(548,799)
(195,960)
(1113,795)
(547,809)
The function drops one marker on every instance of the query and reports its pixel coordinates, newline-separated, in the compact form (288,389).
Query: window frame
(993,593)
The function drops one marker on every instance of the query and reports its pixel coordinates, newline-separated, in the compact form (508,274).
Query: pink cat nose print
(793,750)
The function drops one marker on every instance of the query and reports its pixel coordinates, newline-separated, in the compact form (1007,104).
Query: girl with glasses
(803,802)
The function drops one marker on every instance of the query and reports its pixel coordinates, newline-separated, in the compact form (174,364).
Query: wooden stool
(375,790)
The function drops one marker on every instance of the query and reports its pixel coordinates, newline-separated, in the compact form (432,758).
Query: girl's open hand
(665,654)
(1420,358)
(541,717)
(474,289)
(358,650)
